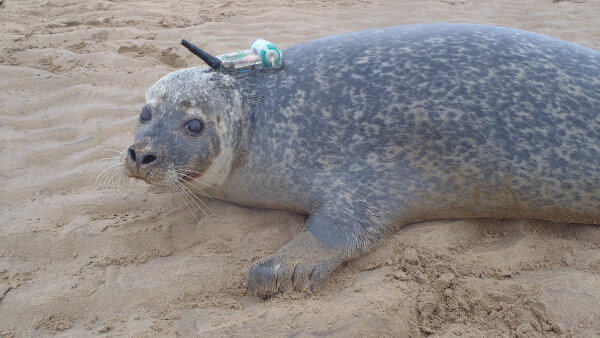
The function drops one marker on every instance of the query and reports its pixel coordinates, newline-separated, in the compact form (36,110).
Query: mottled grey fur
(375,129)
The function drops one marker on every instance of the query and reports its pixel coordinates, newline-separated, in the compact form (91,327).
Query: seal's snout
(144,160)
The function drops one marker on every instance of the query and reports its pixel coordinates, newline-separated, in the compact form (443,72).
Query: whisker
(114,150)
(108,180)
(186,196)
(193,179)
(197,180)
(106,169)
(116,179)
(193,198)
(185,202)
(169,195)
(196,197)
(175,194)
(113,158)
(103,173)
(112,176)
(190,171)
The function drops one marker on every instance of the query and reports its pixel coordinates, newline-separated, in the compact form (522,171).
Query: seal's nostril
(148,159)
(132,154)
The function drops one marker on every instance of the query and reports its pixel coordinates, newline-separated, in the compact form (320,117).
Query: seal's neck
(244,121)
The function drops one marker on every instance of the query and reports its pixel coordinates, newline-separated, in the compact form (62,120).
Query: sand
(78,258)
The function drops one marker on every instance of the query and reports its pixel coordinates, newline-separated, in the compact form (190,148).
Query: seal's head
(185,131)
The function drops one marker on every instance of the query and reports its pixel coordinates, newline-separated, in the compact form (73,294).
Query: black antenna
(212,61)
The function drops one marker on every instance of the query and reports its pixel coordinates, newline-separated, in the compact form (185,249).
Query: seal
(368,131)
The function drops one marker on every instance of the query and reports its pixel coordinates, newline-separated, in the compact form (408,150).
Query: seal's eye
(146,115)
(194,127)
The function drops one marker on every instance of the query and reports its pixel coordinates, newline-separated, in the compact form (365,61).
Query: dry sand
(77,258)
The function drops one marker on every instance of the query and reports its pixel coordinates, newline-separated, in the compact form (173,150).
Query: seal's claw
(267,277)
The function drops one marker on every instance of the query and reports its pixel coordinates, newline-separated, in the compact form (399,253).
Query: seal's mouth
(134,172)
(146,177)
(150,176)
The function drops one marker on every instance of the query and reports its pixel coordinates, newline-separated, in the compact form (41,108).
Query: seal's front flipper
(330,238)
(301,265)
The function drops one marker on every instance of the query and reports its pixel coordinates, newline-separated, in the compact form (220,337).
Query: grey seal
(368,131)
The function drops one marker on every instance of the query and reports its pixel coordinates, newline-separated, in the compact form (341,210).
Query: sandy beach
(79,257)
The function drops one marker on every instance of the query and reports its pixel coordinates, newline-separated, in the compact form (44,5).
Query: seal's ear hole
(218,119)
(146,115)
(194,127)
